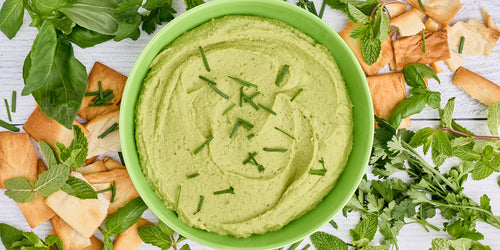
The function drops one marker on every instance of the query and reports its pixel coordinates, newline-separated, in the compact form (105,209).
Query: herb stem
(296,94)
(218,91)
(424,223)
(275,149)
(243,82)
(193,175)
(423,39)
(234,129)
(228,109)
(282,74)
(14,99)
(8,126)
(461,45)
(203,145)
(282,131)
(8,110)
(205,61)
(375,9)
(230,190)
(267,109)
(322,10)
(100,89)
(200,204)
(421,5)
(390,32)
(207,80)
(109,130)
(479,137)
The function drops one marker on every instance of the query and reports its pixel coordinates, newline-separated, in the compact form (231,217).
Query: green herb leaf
(416,72)
(125,217)
(356,15)
(10,235)
(54,241)
(243,82)
(11,17)
(75,155)
(365,230)
(8,126)
(381,25)
(494,118)
(49,154)
(86,38)
(267,109)
(320,172)
(447,114)
(442,143)
(193,3)
(112,128)
(79,188)
(91,16)
(52,180)
(185,247)
(20,189)
(200,204)
(281,150)
(164,228)
(127,10)
(151,234)
(371,48)
(413,105)
(282,131)
(14,100)
(461,45)
(160,11)
(324,241)
(296,94)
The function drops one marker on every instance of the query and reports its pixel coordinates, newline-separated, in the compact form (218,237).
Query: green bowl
(356,86)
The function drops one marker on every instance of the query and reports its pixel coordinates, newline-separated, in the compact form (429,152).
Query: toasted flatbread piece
(36,211)
(111,164)
(488,20)
(411,49)
(395,9)
(387,91)
(109,79)
(71,239)
(479,39)
(442,11)
(91,160)
(97,127)
(17,157)
(97,166)
(84,216)
(96,244)
(409,23)
(125,190)
(431,25)
(385,54)
(40,127)
(129,239)
(455,61)
(477,86)
(436,66)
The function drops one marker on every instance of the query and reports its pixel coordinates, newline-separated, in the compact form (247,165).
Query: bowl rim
(363,133)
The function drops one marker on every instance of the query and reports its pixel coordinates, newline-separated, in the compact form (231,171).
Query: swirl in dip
(241,158)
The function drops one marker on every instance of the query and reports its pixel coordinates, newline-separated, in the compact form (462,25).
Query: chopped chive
(200,204)
(203,145)
(234,129)
(296,94)
(8,109)
(120,154)
(100,89)
(100,104)
(245,124)
(241,96)
(390,32)
(461,46)
(423,38)
(317,172)
(275,149)
(228,109)
(281,75)
(205,61)
(193,175)
(8,126)
(218,91)
(308,245)
(260,168)
(113,191)
(230,190)
(322,10)
(105,99)
(250,136)
(104,94)
(53,98)
(250,157)
(421,5)
(250,101)
(322,163)
(92,93)
(243,82)
(207,80)
(251,160)
(178,198)
(254,95)
(267,109)
(284,132)
(109,130)
(14,99)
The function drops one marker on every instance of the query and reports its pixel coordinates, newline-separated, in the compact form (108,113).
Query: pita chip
(40,127)
(129,239)
(442,11)
(387,91)
(36,211)
(488,20)
(96,127)
(95,244)
(395,9)
(110,79)
(479,39)
(84,215)
(477,86)
(125,190)
(436,66)
(17,157)
(431,25)
(70,237)
(97,166)
(409,23)
(386,53)
(111,164)
(411,49)
(455,61)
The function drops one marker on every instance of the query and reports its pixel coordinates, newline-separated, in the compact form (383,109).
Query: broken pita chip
(84,215)
(477,86)
(488,20)
(455,61)
(386,53)
(395,8)
(91,160)
(409,23)
(95,167)
(40,127)
(111,164)
(95,244)
(110,79)
(436,66)
(411,49)
(442,11)
(129,239)
(479,39)
(96,128)
(431,25)
(17,157)
(36,211)
(70,237)
(125,190)
(387,91)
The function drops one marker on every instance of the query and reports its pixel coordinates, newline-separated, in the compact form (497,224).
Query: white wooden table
(121,56)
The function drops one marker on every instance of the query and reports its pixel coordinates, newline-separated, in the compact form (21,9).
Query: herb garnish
(309,5)
(13,238)
(275,149)
(203,145)
(248,99)
(319,171)
(193,175)
(230,190)
(207,80)
(200,204)
(14,98)
(205,61)
(296,94)
(245,124)
(8,126)
(101,97)
(423,39)
(8,109)
(109,130)
(250,136)
(112,189)
(120,154)
(267,109)
(234,129)
(461,46)
(100,104)
(392,31)
(282,74)
(218,91)
(243,82)
(282,131)
(100,90)
(228,109)
(251,160)
(421,5)
(178,198)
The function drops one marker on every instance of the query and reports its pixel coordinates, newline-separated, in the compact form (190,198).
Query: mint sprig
(13,238)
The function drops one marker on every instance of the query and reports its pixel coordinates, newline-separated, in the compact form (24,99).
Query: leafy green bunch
(161,236)
(13,238)
(57,177)
(55,78)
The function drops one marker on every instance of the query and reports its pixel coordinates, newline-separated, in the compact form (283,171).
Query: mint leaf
(365,230)
(356,15)
(442,143)
(79,188)
(422,137)
(125,217)
(481,171)
(165,229)
(370,48)
(75,155)
(34,239)
(11,17)
(20,189)
(416,72)
(52,180)
(185,247)
(155,236)
(381,25)
(447,113)
(360,31)
(494,118)
(466,153)
(10,235)
(324,241)
(48,153)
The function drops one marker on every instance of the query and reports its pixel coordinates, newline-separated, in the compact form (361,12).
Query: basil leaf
(20,189)
(46,7)
(79,188)
(416,72)
(494,118)
(108,243)
(128,30)
(64,24)
(433,99)
(48,153)
(324,241)
(86,38)
(95,18)
(370,48)
(409,106)
(52,180)
(11,17)
(10,235)
(34,239)
(125,217)
(155,236)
